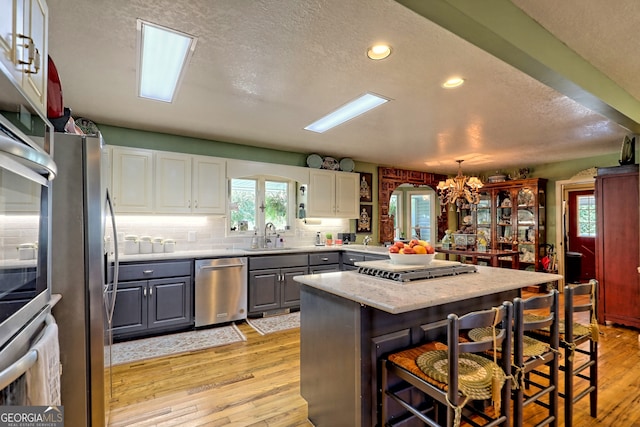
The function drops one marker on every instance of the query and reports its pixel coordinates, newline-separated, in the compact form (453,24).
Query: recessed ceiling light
(453,82)
(379,51)
(352,109)
(163,55)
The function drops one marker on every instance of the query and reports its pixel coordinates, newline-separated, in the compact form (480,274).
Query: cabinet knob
(144,291)
(147,271)
(325,259)
(150,292)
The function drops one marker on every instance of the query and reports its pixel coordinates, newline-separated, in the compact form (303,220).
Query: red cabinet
(617,257)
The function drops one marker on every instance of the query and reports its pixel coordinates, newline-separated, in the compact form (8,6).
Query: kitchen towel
(43,378)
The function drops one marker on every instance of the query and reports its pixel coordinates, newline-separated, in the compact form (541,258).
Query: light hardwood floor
(257,383)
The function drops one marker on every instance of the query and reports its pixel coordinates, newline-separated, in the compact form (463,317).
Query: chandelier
(459,189)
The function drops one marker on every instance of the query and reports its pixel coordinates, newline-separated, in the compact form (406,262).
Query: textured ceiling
(264,69)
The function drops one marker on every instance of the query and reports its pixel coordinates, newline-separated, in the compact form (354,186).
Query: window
(414,212)
(586,216)
(395,210)
(421,208)
(258,201)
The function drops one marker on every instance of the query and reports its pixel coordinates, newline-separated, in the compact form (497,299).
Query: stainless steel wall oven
(26,171)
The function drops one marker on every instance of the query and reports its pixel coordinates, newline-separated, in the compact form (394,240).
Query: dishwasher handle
(219,267)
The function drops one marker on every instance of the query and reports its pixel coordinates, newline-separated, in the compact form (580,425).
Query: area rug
(268,325)
(166,345)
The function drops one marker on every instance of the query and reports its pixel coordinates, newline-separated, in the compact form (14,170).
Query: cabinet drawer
(376,257)
(350,258)
(277,261)
(324,258)
(154,270)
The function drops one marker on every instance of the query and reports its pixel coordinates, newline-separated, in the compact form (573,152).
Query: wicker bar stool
(440,384)
(536,361)
(581,339)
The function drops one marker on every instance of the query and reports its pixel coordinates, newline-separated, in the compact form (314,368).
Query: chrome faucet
(367,240)
(269,229)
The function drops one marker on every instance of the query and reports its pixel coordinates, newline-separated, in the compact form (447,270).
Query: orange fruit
(420,249)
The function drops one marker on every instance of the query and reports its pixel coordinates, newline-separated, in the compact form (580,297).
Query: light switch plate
(191,236)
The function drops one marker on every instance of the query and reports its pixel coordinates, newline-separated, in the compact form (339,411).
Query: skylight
(354,108)
(163,55)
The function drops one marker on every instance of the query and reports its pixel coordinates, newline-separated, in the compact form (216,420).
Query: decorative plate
(314,161)
(347,165)
(331,164)
(87,126)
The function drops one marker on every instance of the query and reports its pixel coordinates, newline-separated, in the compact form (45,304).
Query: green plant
(329,236)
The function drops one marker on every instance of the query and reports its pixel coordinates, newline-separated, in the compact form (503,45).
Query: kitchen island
(349,320)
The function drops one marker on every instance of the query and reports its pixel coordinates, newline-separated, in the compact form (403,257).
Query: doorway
(580,220)
(583,181)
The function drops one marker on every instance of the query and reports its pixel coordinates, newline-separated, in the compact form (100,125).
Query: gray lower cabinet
(324,262)
(271,284)
(154,301)
(349,259)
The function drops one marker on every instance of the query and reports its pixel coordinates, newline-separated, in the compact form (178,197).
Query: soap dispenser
(318,239)
(254,240)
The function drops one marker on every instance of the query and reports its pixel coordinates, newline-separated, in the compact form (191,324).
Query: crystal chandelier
(457,190)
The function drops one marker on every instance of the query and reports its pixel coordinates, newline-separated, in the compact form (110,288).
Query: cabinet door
(132,180)
(314,269)
(264,290)
(130,313)
(34,80)
(347,194)
(321,194)
(617,246)
(290,291)
(8,31)
(173,183)
(209,185)
(504,219)
(169,302)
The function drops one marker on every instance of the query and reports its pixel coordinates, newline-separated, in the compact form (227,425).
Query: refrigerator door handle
(116,264)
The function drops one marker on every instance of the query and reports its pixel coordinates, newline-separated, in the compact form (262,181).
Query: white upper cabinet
(8,38)
(347,194)
(209,185)
(189,184)
(333,194)
(149,181)
(23,46)
(32,52)
(173,183)
(132,180)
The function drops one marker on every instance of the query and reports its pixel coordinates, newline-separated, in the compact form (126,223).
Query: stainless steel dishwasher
(220,290)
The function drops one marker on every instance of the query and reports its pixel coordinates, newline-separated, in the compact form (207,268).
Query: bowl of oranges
(416,252)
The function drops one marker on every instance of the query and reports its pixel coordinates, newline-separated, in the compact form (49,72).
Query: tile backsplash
(208,232)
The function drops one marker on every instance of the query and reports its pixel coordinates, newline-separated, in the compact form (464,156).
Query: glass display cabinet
(513,216)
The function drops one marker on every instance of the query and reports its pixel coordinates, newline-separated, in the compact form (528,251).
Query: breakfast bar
(350,319)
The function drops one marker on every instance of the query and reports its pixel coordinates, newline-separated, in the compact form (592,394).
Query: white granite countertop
(397,297)
(216,253)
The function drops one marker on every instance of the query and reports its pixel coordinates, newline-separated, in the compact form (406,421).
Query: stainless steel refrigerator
(83,247)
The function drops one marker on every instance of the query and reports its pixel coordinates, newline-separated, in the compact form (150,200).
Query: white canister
(157,245)
(146,246)
(27,251)
(169,245)
(131,245)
